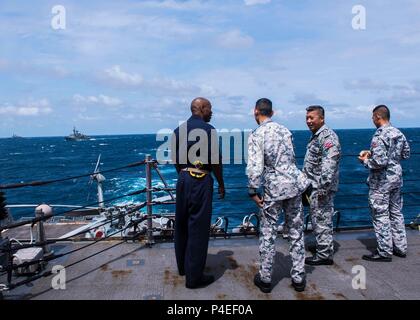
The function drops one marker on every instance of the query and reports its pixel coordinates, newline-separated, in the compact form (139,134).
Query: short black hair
(383,111)
(320,110)
(264,106)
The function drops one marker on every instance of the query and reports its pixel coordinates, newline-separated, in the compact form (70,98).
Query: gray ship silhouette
(77,136)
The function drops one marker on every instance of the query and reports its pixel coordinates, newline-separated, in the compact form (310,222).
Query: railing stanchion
(40,212)
(149,165)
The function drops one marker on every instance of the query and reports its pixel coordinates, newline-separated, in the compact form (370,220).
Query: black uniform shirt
(207,152)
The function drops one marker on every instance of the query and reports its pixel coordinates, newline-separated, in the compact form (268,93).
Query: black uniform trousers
(192,224)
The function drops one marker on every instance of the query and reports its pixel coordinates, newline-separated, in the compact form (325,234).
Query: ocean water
(37,159)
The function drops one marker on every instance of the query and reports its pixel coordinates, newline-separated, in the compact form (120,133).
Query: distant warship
(77,136)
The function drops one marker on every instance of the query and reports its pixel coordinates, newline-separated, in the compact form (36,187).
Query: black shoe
(203,282)
(312,249)
(376,257)
(315,261)
(264,286)
(299,286)
(399,253)
(181,273)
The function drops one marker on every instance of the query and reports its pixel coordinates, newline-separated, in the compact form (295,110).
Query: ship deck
(133,271)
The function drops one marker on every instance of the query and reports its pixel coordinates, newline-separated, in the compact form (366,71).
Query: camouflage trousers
(322,211)
(388,220)
(293,211)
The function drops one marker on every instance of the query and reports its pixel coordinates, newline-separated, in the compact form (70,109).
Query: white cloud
(31,108)
(88,118)
(255,2)
(234,39)
(117,75)
(411,39)
(101,100)
(307,99)
(404,94)
(129,116)
(122,26)
(37,67)
(358,112)
(366,85)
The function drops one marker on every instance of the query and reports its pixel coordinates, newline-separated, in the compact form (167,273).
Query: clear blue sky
(134,66)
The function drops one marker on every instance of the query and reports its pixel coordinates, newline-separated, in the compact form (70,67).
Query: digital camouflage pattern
(321,166)
(389,146)
(272,165)
(293,212)
(322,211)
(388,221)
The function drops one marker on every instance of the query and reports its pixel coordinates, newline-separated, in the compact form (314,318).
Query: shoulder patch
(328,145)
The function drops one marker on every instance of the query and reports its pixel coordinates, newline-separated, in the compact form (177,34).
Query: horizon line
(137,134)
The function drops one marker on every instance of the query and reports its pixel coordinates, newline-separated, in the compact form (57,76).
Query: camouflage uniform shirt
(271,162)
(389,146)
(322,160)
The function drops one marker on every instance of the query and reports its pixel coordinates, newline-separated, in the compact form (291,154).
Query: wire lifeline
(81,232)
(46,217)
(41,183)
(54,257)
(53,241)
(48,273)
(4,271)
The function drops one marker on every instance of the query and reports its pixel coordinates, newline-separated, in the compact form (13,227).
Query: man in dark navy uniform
(196,155)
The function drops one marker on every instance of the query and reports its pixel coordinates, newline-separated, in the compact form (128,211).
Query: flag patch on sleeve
(328,145)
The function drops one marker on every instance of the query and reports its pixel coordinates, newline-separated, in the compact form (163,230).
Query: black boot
(316,261)
(399,253)
(376,257)
(299,286)
(264,286)
(203,282)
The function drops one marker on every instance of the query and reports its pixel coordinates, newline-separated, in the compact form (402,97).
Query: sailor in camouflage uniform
(321,167)
(389,146)
(271,164)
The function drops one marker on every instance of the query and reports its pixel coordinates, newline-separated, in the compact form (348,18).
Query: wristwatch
(252,192)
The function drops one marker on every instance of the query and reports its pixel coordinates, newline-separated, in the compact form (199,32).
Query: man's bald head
(198,103)
(201,107)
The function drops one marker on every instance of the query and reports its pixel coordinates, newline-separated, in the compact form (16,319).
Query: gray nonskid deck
(133,271)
